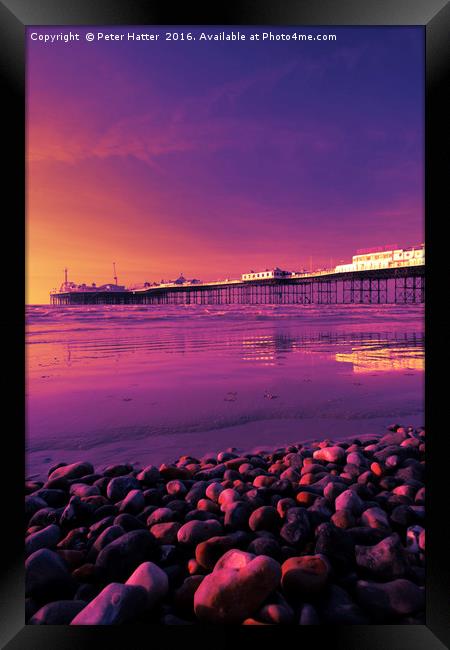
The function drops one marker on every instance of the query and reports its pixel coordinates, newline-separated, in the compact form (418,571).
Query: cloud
(193,125)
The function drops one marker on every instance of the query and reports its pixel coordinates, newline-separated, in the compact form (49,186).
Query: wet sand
(144,384)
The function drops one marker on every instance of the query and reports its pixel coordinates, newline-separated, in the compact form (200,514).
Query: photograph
(225,295)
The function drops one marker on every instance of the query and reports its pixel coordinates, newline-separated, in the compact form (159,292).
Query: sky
(214,158)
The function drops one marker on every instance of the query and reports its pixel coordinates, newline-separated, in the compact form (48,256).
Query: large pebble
(149,475)
(72,471)
(338,608)
(336,543)
(153,580)
(389,599)
(232,595)
(305,575)
(47,537)
(32,505)
(129,522)
(47,577)
(133,503)
(161,516)
(106,537)
(386,560)
(349,500)
(276,614)
(297,528)
(264,518)
(117,469)
(184,595)
(234,559)
(213,491)
(166,533)
(53,497)
(308,615)
(236,515)
(120,557)
(83,490)
(196,531)
(208,552)
(265,546)
(119,487)
(114,605)
(333,454)
(375,518)
(59,612)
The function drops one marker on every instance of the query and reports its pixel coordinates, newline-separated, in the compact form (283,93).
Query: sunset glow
(215,158)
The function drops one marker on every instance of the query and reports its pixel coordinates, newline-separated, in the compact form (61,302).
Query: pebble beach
(326,532)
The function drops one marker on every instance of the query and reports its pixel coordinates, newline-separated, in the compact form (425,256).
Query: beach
(327,533)
(233,465)
(146,384)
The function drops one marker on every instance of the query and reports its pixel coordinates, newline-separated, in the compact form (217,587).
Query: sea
(145,384)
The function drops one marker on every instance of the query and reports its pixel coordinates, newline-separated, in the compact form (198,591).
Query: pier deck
(401,285)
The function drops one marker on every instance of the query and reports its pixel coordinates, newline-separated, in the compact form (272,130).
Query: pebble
(335,543)
(47,577)
(375,518)
(53,497)
(72,471)
(196,531)
(343,519)
(208,552)
(232,595)
(83,490)
(115,604)
(308,615)
(386,560)
(339,608)
(59,612)
(166,533)
(265,546)
(345,522)
(133,503)
(297,528)
(332,454)
(149,475)
(236,516)
(161,516)
(153,580)
(120,557)
(47,537)
(390,599)
(129,522)
(106,537)
(264,518)
(119,487)
(184,595)
(276,614)
(349,500)
(213,491)
(118,469)
(304,576)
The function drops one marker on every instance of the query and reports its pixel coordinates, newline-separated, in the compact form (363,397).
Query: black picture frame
(434,16)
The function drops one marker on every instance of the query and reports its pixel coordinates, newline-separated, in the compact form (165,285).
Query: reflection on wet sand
(366,351)
(384,359)
(108,379)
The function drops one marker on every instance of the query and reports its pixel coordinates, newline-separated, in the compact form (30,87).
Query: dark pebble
(47,577)
(119,558)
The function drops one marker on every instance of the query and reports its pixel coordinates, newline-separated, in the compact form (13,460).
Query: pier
(398,285)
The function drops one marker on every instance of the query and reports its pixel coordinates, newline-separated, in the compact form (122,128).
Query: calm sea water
(148,383)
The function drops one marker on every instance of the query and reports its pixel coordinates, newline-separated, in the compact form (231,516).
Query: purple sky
(214,158)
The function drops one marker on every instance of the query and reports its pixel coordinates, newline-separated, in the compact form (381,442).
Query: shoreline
(144,449)
(315,532)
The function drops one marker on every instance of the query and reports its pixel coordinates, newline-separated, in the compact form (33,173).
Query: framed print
(227,228)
